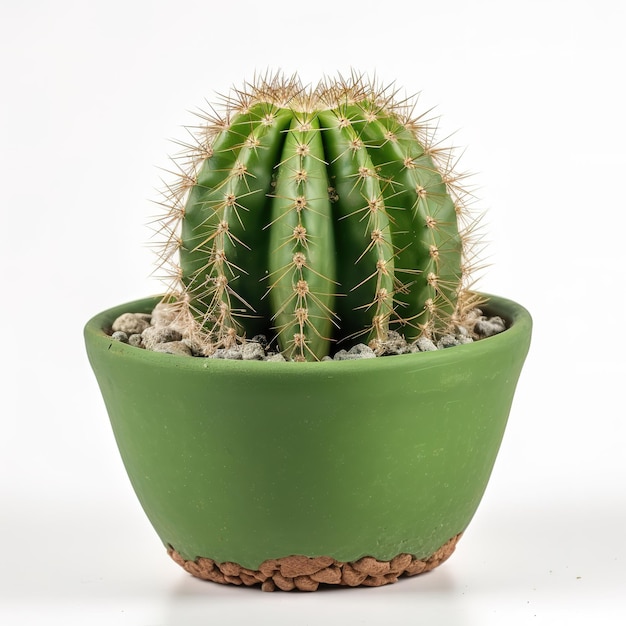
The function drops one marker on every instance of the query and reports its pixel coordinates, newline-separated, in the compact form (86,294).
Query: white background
(91,94)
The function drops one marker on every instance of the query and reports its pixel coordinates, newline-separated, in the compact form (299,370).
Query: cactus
(316,216)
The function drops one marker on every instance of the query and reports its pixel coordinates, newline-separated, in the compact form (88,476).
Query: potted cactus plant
(312,220)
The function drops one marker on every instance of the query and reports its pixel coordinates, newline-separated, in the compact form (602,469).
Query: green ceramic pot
(249,462)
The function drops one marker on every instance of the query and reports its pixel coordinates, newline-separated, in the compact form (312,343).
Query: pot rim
(517,317)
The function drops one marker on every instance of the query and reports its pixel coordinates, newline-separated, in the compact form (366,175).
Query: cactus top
(316,216)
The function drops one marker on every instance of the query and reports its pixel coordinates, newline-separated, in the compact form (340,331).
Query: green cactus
(316,216)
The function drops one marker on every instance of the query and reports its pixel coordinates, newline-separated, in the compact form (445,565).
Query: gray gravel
(158,332)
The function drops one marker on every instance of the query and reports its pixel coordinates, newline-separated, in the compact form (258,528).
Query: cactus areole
(315,217)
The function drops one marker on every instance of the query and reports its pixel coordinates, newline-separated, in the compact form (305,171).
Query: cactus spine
(314,216)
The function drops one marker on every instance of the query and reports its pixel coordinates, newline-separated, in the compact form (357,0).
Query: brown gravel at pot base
(309,573)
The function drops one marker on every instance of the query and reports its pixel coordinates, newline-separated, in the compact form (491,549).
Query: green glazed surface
(246,461)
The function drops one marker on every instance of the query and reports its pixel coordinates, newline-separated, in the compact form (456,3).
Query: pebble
(447,341)
(233,354)
(394,344)
(136,340)
(487,327)
(252,352)
(424,344)
(173,347)
(120,335)
(131,323)
(461,331)
(261,340)
(154,335)
(195,346)
(360,351)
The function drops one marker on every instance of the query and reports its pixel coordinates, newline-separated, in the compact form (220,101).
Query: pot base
(306,573)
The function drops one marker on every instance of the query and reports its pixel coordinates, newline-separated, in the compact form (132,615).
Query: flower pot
(296,474)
